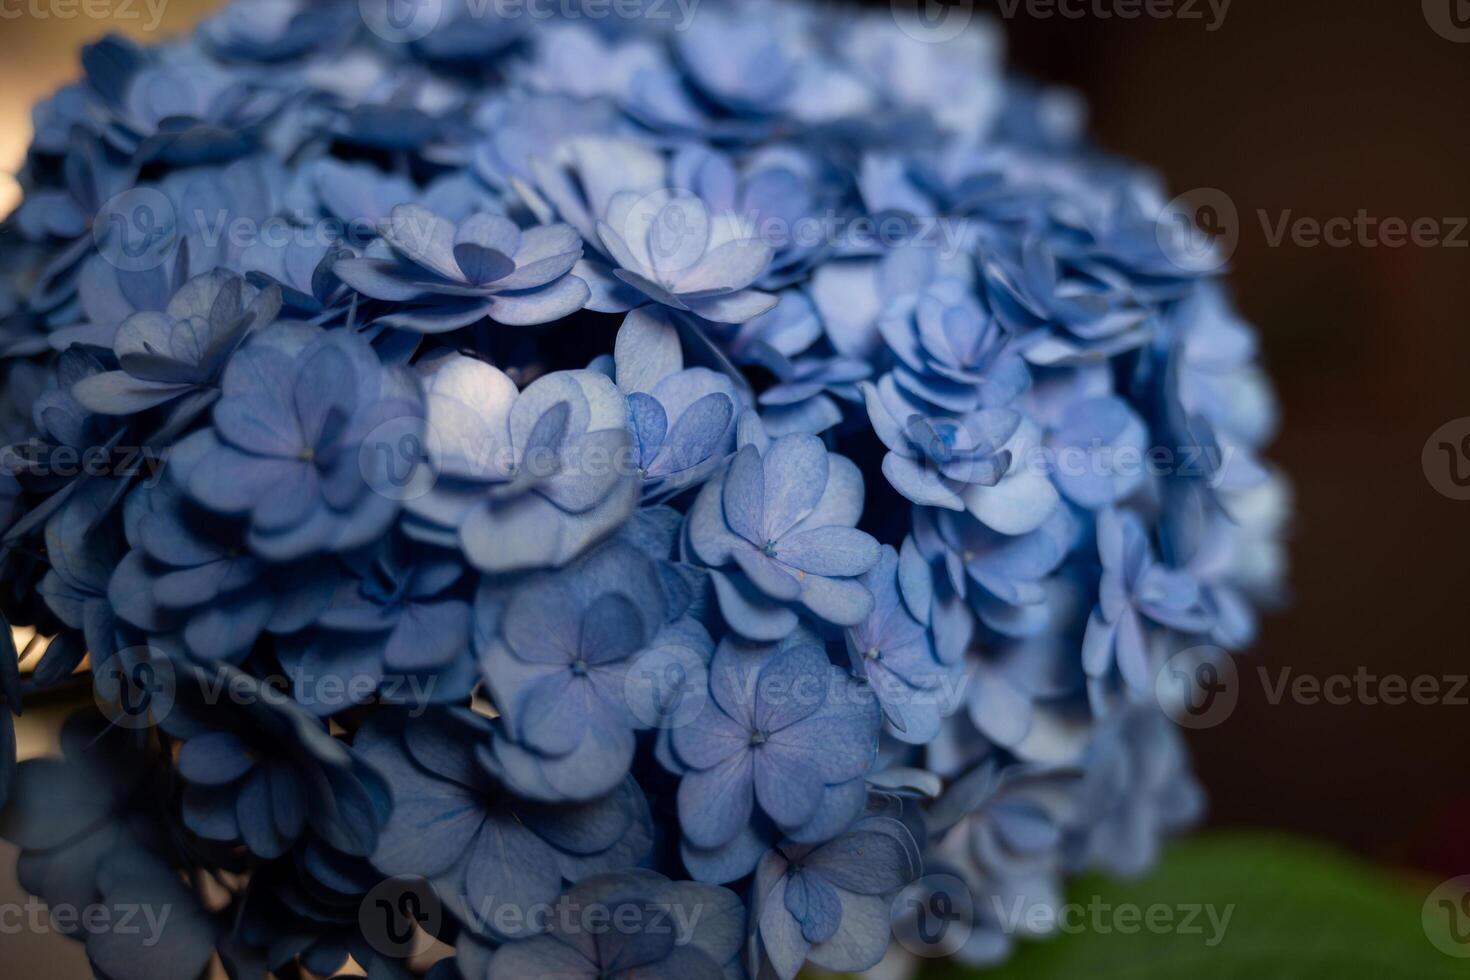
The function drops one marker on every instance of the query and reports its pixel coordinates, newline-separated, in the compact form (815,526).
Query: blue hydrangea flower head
(665,466)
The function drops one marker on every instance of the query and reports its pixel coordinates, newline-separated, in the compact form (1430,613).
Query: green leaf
(1297,910)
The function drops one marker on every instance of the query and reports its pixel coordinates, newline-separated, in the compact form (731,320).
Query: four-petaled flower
(449,277)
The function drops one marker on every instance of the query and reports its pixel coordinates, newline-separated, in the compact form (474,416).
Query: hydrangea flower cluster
(622,495)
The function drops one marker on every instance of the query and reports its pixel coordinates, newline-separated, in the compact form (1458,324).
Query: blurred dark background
(1324,109)
(1304,109)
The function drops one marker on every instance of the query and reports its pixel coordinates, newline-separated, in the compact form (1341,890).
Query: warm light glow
(21,636)
(40,54)
(9,194)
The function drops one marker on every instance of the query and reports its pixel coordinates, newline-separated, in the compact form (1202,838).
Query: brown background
(1324,109)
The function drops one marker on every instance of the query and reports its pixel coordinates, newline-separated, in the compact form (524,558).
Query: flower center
(770,549)
(873,653)
(759,738)
(579,667)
